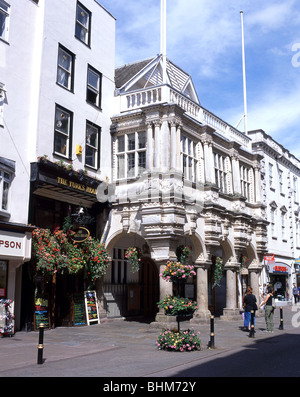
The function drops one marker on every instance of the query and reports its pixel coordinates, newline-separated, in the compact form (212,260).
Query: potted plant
(185,341)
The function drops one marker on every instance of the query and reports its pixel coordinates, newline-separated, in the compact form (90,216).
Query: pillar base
(231,314)
(201,317)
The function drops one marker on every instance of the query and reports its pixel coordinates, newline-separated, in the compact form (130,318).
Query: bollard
(41,344)
(212,333)
(252,331)
(281,319)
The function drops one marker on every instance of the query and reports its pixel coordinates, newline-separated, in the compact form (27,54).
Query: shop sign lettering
(76,186)
(280,269)
(11,244)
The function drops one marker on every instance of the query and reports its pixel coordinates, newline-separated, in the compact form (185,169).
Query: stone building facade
(181,177)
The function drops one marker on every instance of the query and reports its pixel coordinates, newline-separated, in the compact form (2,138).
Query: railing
(166,94)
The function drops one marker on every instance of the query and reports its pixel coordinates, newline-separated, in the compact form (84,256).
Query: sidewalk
(119,348)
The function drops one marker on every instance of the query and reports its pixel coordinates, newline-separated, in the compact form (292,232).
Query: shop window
(92,147)
(65,68)
(63,132)
(131,155)
(83,24)
(4,20)
(3,279)
(189,159)
(94,83)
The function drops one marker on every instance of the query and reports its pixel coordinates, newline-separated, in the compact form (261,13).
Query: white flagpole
(244,77)
(163,38)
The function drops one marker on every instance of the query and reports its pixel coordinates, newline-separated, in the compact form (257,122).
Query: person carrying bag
(270,306)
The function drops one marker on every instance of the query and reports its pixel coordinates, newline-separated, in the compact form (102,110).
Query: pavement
(127,349)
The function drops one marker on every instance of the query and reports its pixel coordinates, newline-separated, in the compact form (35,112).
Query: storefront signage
(92,314)
(12,244)
(269,257)
(41,313)
(76,186)
(78,310)
(279,268)
(81,235)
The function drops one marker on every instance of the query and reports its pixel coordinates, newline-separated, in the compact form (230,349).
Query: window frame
(70,72)
(8,180)
(68,154)
(221,173)
(131,154)
(5,10)
(189,155)
(5,278)
(95,148)
(87,42)
(91,88)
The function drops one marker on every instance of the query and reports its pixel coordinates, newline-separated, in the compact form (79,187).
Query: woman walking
(269,309)
(249,304)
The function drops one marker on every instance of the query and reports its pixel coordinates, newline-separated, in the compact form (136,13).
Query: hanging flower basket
(184,341)
(132,254)
(218,272)
(176,306)
(57,252)
(177,271)
(244,259)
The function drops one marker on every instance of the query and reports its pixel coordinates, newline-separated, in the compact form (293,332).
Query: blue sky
(204,39)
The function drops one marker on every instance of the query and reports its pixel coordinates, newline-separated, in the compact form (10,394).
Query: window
(63,132)
(220,172)
(273,214)
(283,223)
(2,99)
(94,82)
(4,20)
(3,279)
(245,182)
(131,155)
(280,177)
(65,68)
(5,182)
(92,145)
(295,186)
(189,159)
(119,267)
(83,24)
(271,175)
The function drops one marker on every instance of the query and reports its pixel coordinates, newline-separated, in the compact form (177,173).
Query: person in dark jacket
(249,304)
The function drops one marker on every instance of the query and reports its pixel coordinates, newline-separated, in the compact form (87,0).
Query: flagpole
(163,38)
(244,78)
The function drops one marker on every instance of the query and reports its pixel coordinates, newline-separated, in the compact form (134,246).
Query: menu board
(92,314)
(41,313)
(79,316)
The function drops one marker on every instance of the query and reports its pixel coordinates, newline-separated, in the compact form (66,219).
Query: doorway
(149,282)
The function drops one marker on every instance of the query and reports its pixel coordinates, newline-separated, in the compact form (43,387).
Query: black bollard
(281,319)
(212,332)
(41,344)
(252,331)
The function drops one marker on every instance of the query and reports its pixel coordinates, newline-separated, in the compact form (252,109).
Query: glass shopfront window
(3,279)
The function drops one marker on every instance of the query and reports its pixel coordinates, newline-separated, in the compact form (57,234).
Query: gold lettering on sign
(76,186)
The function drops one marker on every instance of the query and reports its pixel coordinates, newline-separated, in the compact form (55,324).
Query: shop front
(15,249)
(280,280)
(61,199)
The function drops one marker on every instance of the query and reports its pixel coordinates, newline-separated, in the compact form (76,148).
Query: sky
(204,39)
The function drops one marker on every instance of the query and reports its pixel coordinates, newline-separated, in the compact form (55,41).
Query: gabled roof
(149,73)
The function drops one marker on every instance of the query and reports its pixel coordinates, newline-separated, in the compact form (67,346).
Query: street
(125,349)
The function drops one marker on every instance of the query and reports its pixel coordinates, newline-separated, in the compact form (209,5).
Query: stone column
(165,289)
(231,311)
(165,145)
(202,314)
(236,174)
(254,283)
(208,161)
(149,158)
(157,144)
(173,145)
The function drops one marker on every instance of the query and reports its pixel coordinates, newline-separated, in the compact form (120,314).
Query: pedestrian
(249,304)
(296,294)
(269,303)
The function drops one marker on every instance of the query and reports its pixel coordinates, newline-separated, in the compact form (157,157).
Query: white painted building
(56,88)
(281,195)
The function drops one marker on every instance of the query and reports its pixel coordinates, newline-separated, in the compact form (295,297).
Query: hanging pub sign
(91,307)
(81,234)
